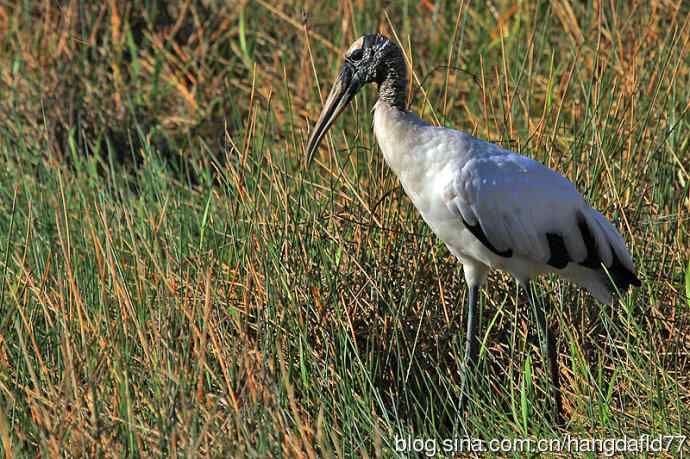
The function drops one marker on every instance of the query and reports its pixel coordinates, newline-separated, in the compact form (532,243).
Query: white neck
(397,133)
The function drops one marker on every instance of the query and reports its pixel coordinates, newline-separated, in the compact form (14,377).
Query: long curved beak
(344,89)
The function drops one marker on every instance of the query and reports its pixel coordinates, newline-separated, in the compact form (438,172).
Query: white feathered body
(455,179)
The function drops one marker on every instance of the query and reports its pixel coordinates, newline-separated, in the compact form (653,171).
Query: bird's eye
(356,55)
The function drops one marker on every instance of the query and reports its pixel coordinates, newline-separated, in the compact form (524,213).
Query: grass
(174,282)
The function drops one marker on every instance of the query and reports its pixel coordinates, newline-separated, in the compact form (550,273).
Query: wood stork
(493,208)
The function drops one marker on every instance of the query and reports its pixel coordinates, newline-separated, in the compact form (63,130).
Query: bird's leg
(471,344)
(547,342)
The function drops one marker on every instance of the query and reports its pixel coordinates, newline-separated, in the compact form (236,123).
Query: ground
(174,281)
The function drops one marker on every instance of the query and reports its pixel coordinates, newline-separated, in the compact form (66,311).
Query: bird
(493,208)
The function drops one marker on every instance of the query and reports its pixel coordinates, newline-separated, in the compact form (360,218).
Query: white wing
(525,208)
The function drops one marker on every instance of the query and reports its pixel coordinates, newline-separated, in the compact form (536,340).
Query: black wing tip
(559,258)
(477,232)
(622,278)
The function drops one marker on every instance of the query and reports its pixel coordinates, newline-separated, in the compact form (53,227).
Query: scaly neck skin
(393,87)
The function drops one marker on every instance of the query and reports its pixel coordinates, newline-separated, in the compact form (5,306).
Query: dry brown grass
(174,283)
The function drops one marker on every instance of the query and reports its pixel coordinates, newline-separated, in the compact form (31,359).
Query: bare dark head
(373,58)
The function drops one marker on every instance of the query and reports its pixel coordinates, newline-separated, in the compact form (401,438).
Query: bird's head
(373,58)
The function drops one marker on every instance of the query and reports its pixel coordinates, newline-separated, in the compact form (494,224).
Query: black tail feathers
(620,278)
